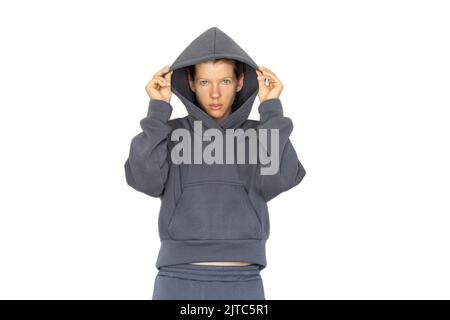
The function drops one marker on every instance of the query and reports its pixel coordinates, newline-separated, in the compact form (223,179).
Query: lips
(215,106)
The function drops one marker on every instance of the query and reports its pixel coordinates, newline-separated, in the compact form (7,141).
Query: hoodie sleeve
(147,166)
(291,171)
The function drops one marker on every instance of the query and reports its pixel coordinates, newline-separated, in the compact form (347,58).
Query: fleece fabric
(211,212)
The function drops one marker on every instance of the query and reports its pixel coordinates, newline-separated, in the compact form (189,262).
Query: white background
(366,85)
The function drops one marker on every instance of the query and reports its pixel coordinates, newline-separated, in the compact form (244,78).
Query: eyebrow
(208,79)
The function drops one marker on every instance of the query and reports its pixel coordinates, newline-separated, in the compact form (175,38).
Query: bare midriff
(231,263)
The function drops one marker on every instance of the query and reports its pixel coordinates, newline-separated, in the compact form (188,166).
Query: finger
(263,68)
(162,71)
(270,73)
(163,81)
(168,76)
(159,79)
(155,82)
(269,78)
(263,81)
(264,78)
(260,76)
(272,79)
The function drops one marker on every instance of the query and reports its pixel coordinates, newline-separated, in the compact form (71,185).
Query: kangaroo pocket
(214,210)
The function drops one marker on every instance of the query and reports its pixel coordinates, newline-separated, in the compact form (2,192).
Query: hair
(238,67)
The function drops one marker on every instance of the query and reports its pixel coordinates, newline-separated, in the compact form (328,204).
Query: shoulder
(249,123)
(178,123)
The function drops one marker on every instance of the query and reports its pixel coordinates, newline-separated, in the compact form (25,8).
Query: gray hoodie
(211,212)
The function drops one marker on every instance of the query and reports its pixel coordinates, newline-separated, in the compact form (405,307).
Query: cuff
(271,108)
(159,109)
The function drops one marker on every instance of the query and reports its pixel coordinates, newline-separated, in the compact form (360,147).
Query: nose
(215,91)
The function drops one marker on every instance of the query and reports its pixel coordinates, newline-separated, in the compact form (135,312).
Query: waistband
(175,252)
(210,272)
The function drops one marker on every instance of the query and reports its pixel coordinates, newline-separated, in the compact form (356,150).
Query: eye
(202,81)
(229,81)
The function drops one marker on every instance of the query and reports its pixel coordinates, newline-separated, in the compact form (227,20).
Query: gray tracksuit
(211,212)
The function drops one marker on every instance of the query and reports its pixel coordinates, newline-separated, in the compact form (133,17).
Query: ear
(191,82)
(240,83)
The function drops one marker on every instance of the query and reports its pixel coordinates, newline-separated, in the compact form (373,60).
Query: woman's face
(215,83)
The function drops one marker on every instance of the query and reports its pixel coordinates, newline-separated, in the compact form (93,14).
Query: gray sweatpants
(206,282)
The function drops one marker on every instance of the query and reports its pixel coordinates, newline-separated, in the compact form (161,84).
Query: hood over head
(215,44)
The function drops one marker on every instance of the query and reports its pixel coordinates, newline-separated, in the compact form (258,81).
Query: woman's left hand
(273,90)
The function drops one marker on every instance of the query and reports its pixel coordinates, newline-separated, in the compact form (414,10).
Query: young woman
(213,222)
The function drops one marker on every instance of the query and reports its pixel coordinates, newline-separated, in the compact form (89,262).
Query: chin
(213,113)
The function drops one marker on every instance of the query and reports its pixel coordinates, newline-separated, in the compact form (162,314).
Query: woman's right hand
(160,85)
